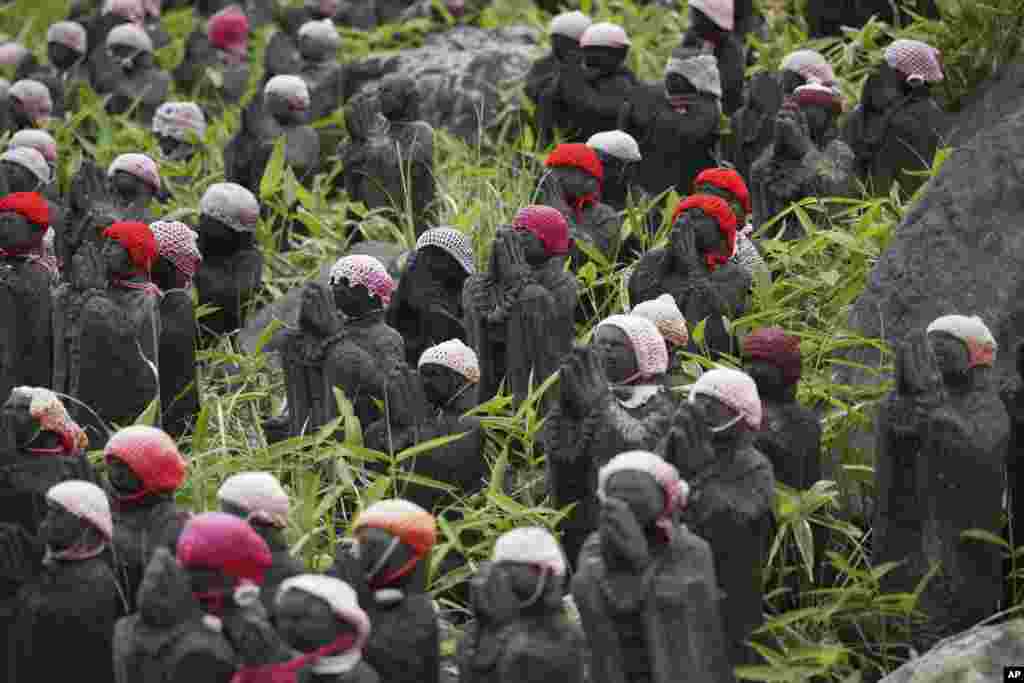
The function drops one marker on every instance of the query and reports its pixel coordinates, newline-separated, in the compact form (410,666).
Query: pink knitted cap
(12,53)
(360,269)
(667,317)
(39,140)
(30,159)
(51,415)
(810,64)
(231,204)
(86,501)
(721,12)
(342,600)
(530,545)
(972,331)
(34,97)
(677,491)
(605,35)
(733,388)
(138,165)
(258,492)
(177,243)
(917,61)
(70,34)
(224,543)
(132,10)
(453,354)
(453,242)
(647,342)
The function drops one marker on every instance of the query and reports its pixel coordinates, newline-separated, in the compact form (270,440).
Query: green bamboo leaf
(273,175)
(427,446)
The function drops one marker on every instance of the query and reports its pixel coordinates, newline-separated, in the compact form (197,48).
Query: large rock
(1000,96)
(978,656)
(461,75)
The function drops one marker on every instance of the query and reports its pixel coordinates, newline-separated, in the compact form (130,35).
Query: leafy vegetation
(841,623)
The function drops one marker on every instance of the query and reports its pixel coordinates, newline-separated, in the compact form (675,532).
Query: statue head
(129,248)
(24,219)
(256,497)
(78,524)
(225,559)
(579,171)
(30,412)
(131,48)
(729,402)
(319,40)
(286,99)
(228,216)
(959,344)
(26,169)
(727,184)
(66,44)
(134,178)
(363,117)
(712,227)
(31,103)
(566,29)
(361,285)
(543,233)
(619,154)
(821,105)
(631,349)
(526,575)
(179,127)
(447,253)
(178,255)
(667,317)
(605,47)
(689,73)
(447,370)
(142,462)
(228,31)
(393,539)
(709,17)
(648,485)
(126,10)
(316,613)
(399,100)
(323,9)
(805,66)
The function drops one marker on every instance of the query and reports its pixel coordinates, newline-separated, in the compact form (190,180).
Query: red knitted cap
(151,455)
(773,345)
(578,155)
(229,30)
(726,179)
(548,224)
(138,239)
(718,209)
(225,543)
(31,205)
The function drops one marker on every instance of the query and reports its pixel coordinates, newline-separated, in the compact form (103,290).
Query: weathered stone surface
(978,655)
(997,98)
(286,309)
(460,75)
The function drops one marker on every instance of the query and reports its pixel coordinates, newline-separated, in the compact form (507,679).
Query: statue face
(16,231)
(604,60)
(173,149)
(566,48)
(440,383)
(819,119)
(716,413)
(281,110)
(60,529)
(355,300)
(131,189)
(766,376)
(394,94)
(521,578)
(640,492)
(165,275)
(213,588)
(122,479)
(127,58)
(676,84)
(313,50)
(61,56)
(213,231)
(707,236)
(18,422)
(116,257)
(615,353)
(951,354)
(883,88)
(701,24)
(372,545)
(533,249)
(617,171)
(19,178)
(305,621)
(790,81)
(729,197)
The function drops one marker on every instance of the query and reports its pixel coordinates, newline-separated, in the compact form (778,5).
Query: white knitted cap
(700,70)
(86,501)
(616,143)
(290,88)
(130,35)
(647,342)
(336,593)
(132,10)
(453,242)
(70,34)
(176,119)
(455,355)
(34,97)
(29,158)
(530,545)
(570,24)
(605,35)
(39,140)
(139,165)
(973,332)
(232,205)
(361,269)
(321,32)
(258,492)
(666,316)
(733,388)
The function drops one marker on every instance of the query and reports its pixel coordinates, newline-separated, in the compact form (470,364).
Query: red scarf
(147,287)
(287,672)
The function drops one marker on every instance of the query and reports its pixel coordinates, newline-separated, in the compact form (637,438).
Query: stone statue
(727,184)
(612,398)
(320,618)
(28,104)
(66,49)
(177,261)
(145,469)
(179,128)
(734,491)
(222,49)
(573,185)
(25,169)
(429,404)
(519,315)
(542,80)
(26,275)
(388,567)
(676,122)
(325,77)
(426,309)
(44,143)
(790,436)
(399,103)
(702,240)
(591,91)
(753,124)
(371,168)
(805,159)
(200,617)
(76,599)
(620,155)
(138,85)
(827,18)
(713,30)
(944,433)
(646,586)
(107,330)
(232,269)
(670,322)
(354,353)
(282,54)
(521,631)
(258,498)
(898,126)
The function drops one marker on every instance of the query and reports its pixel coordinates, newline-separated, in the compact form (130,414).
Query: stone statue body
(593,89)
(192,74)
(145,82)
(565,188)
